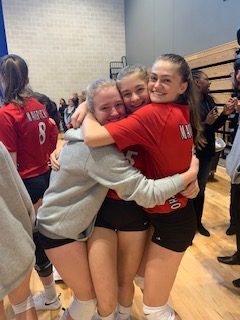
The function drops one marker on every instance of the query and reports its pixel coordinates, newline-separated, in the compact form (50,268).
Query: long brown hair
(14,79)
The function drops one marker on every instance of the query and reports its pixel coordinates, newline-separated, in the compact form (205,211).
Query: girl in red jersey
(164,130)
(30,136)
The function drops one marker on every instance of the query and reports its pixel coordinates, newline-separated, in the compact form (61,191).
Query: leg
(204,170)
(235,210)
(102,254)
(139,278)
(235,207)
(173,233)
(48,298)
(71,262)
(161,270)
(130,251)
(232,227)
(20,295)
(235,203)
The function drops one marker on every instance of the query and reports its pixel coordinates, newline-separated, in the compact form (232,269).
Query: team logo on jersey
(185,131)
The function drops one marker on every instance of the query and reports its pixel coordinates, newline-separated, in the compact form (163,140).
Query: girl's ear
(183,87)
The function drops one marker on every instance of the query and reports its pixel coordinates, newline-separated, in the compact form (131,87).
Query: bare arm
(95,135)
(79,115)
(190,175)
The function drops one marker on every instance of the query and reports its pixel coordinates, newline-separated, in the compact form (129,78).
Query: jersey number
(42,132)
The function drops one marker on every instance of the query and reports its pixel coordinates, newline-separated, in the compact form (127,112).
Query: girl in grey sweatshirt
(17,250)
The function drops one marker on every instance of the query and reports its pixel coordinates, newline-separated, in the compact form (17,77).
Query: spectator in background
(61,108)
(211,122)
(234,125)
(75,99)
(82,96)
(233,169)
(51,107)
(68,112)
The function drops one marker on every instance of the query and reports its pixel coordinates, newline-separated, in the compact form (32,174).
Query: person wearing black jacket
(211,122)
(233,169)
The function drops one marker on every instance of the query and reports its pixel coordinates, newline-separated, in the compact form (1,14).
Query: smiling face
(134,92)
(165,83)
(108,105)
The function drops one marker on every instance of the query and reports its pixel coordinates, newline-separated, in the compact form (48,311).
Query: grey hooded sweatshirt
(77,190)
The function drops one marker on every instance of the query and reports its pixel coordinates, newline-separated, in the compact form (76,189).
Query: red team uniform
(165,133)
(28,131)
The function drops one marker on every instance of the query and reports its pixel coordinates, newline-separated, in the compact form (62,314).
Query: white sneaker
(42,303)
(56,275)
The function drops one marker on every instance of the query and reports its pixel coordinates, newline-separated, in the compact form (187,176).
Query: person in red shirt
(166,130)
(30,136)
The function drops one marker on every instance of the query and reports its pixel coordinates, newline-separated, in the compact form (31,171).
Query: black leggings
(43,266)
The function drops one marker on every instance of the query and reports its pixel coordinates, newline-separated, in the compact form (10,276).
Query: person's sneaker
(203,231)
(42,303)
(231,231)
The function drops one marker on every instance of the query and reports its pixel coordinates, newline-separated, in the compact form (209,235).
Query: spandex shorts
(120,215)
(176,230)
(48,243)
(36,186)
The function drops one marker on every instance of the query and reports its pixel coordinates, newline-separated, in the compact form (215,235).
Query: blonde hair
(135,68)
(93,88)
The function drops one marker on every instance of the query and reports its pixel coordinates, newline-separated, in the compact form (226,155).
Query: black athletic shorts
(176,230)
(120,215)
(36,186)
(48,243)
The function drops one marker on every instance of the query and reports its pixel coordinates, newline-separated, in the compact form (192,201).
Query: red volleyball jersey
(165,133)
(28,131)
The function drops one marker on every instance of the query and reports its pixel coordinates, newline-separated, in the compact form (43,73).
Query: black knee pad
(43,266)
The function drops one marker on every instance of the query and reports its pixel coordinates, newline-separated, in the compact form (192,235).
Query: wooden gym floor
(203,289)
